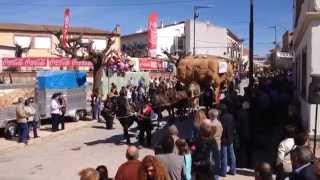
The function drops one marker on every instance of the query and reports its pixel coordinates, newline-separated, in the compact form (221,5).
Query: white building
(210,40)
(169,37)
(306,44)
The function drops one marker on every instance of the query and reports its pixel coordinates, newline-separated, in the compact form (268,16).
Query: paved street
(62,157)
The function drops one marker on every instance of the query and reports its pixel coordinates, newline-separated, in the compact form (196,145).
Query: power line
(164,2)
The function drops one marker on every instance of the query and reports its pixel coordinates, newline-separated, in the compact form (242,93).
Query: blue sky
(132,14)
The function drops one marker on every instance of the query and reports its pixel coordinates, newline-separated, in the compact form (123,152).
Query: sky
(132,15)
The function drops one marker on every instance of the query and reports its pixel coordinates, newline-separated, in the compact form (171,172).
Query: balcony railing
(304,6)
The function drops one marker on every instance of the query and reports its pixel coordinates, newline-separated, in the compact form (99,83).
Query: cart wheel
(10,130)
(80,115)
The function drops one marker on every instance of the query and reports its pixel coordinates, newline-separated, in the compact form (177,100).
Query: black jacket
(205,159)
(228,125)
(307,173)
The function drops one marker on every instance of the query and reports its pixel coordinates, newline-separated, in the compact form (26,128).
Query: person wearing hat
(32,118)
(56,112)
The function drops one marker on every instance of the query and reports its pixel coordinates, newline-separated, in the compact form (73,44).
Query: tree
(19,50)
(84,51)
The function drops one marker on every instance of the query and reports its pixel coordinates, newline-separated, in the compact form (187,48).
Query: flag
(152,33)
(65,27)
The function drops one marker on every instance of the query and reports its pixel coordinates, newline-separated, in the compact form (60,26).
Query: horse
(170,98)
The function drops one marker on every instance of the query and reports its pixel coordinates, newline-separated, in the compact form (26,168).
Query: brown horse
(170,98)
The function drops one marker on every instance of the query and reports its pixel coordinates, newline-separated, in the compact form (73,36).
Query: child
(184,151)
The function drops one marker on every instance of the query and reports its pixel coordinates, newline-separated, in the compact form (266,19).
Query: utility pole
(251,36)
(195,16)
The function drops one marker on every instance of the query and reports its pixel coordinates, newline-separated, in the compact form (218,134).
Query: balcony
(304,7)
(306,11)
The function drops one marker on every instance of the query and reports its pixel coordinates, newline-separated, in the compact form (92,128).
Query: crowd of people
(226,135)
(28,118)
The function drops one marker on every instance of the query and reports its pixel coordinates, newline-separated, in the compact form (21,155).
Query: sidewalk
(44,133)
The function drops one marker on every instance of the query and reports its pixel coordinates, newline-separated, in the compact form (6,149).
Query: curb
(40,140)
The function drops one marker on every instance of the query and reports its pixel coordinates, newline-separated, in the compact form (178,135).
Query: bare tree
(84,51)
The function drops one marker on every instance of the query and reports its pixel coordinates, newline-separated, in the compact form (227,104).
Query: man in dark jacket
(124,115)
(227,150)
(302,158)
(205,158)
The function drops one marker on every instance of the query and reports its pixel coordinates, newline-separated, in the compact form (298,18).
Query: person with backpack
(205,156)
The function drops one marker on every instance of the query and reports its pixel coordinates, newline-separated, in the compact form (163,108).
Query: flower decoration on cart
(117,62)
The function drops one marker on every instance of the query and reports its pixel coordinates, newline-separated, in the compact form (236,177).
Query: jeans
(55,121)
(227,154)
(34,125)
(216,177)
(23,132)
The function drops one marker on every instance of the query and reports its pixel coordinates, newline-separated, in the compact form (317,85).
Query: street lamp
(275,44)
(195,16)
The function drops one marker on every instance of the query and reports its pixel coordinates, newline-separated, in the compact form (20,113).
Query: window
(42,42)
(23,41)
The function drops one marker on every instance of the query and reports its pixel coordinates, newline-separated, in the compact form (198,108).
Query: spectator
(56,113)
(21,116)
(96,107)
(32,118)
(173,132)
(63,109)
(199,116)
(301,139)
(303,169)
(89,174)
(205,157)
(227,150)
(317,168)
(103,172)
(152,169)
(173,162)
(284,165)
(130,169)
(263,171)
(184,151)
(244,134)
(213,116)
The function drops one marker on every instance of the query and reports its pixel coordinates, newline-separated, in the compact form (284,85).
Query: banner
(44,62)
(65,27)
(146,64)
(223,67)
(152,33)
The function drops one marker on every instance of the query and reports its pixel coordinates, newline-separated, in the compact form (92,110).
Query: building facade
(169,37)
(178,37)
(42,42)
(306,45)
